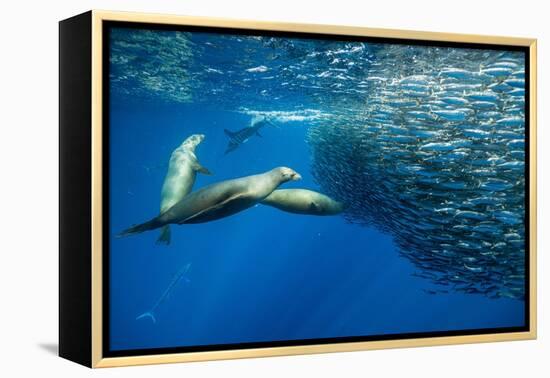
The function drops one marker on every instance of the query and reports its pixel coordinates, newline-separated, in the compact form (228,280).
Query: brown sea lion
(219,200)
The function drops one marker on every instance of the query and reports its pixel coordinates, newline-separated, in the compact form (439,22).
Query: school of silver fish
(437,160)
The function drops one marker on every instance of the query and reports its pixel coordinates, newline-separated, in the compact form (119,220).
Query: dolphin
(236,138)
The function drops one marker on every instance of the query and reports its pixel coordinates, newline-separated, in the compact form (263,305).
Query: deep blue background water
(261,275)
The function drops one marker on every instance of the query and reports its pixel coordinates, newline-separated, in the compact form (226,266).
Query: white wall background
(28,186)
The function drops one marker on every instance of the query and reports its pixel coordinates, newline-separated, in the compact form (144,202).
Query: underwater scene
(285,188)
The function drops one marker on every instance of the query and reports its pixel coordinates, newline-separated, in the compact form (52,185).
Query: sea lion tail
(137,229)
(165,235)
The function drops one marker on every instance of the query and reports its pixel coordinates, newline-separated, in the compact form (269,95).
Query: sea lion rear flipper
(137,229)
(165,235)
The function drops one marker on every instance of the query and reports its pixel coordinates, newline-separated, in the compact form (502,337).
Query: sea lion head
(287,174)
(193,141)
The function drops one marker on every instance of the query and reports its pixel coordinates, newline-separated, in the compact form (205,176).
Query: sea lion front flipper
(313,207)
(199,168)
(205,213)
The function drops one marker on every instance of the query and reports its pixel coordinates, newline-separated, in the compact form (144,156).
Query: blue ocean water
(262,274)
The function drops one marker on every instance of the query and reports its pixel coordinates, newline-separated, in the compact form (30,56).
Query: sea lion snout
(289,174)
(296,176)
(194,140)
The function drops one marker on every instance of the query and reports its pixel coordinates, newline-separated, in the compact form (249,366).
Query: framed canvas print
(235,189)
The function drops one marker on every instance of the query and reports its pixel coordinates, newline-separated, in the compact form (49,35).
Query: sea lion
(303,201)
(180,178)
(219,200)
